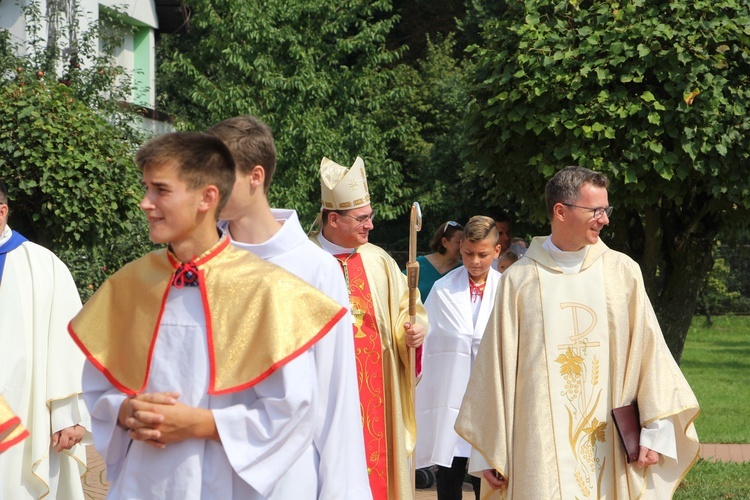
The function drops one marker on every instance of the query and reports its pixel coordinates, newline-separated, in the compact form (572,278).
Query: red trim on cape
(220,245)
(10,423)
(210,347)
(209,336)
(7,444)
(126,390)
(150,356)
(13,422)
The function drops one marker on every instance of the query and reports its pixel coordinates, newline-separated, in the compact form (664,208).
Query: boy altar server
(335,461)
(199,378)
(458,309)
(571,337)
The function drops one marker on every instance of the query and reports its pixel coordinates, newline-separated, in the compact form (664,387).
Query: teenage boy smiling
(192,393)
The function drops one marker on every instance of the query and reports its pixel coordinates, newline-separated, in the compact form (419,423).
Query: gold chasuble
(379,299)
(388,301)
(258,317)
(11,430)
(559,352)
(369,354)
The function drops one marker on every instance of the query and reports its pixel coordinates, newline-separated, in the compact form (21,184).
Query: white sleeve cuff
(659,436)
(65,413)
(477,463)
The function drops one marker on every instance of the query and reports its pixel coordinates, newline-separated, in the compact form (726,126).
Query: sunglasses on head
(451,223)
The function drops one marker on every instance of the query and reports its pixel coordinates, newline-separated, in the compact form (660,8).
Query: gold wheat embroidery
(584,430)
(595,372)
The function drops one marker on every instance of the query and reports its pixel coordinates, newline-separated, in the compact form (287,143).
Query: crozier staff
(383,332)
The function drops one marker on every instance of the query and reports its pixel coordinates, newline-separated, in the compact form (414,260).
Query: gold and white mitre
(343,188)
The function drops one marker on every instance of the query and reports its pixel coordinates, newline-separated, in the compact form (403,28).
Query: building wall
(11,19)
(136,53)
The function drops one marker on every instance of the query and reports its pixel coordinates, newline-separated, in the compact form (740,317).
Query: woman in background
(445,245)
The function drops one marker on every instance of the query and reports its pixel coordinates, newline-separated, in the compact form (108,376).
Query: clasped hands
(496,480)
(67,438)
(158,418)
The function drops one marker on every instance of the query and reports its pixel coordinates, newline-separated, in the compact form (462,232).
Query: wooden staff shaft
(412,274)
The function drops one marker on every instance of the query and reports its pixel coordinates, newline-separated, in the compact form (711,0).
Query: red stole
(369,354)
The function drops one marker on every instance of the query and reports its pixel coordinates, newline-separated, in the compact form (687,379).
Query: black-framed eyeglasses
(598,212)
(451,223)
(362,218)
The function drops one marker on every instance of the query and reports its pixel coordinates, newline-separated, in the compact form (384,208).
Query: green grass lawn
(709,480)
(716,362)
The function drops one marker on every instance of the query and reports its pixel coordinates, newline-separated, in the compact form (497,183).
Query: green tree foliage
(421,20)
(444,192)
(66,154)
(656,94)
(717,297)
(727,286)
(318,73)
(438,99)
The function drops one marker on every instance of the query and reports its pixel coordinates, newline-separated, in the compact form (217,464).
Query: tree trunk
(687,263)
(674,252)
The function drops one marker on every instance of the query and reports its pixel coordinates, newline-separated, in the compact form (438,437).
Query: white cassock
(40,370)
(450,347)
(264,430)
(339,468)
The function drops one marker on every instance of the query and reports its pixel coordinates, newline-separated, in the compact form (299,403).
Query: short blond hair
(480,227)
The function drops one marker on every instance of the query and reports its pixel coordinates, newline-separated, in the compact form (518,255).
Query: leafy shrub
(66,150)
(722,294)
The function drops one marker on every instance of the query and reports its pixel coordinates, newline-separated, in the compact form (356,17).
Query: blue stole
(15,241)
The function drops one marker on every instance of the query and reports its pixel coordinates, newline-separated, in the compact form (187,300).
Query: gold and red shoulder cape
(258,318)
(11,430)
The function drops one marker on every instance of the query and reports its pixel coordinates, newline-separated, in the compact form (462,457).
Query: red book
(628,425)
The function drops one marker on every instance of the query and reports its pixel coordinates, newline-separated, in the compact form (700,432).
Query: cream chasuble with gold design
(552,436)
(576,344)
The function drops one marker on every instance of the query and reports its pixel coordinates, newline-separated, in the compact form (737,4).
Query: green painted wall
(142,67)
